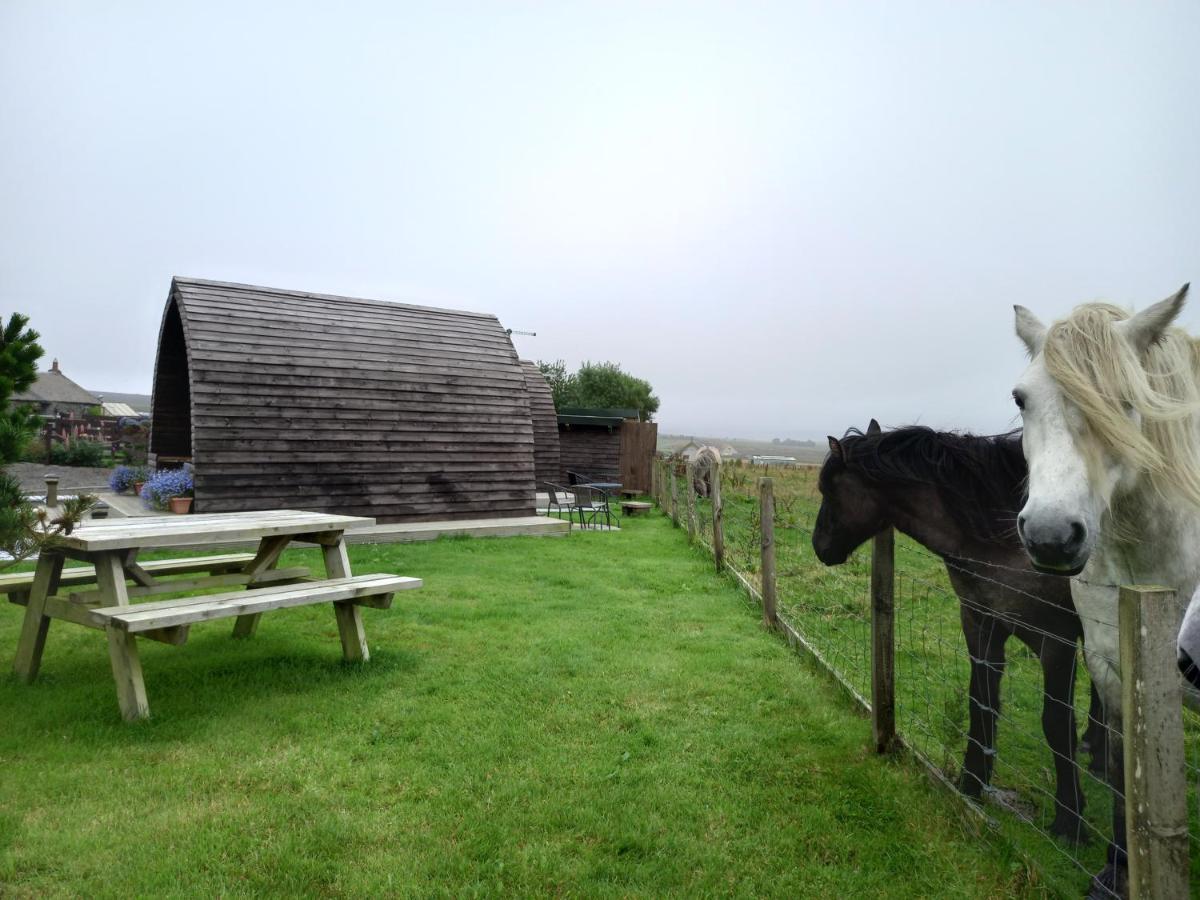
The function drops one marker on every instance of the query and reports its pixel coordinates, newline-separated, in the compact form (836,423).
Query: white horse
(704,468)
(1111,410)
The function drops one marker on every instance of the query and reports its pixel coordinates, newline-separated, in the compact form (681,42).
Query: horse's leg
(1097,607)
(985,637)
(1113,879)
(1095,736)
(1058,725)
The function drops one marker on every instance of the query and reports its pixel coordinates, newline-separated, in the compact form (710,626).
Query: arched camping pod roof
(287,399)
(545,425)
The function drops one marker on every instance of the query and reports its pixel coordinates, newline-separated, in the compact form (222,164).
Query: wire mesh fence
(1010,721)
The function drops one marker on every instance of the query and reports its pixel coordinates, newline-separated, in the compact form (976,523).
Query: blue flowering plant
(123,478)
(165,484)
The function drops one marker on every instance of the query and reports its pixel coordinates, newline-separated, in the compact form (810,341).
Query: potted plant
(127,478)
(166,484)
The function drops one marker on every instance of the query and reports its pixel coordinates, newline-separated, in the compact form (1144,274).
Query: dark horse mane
(982,476)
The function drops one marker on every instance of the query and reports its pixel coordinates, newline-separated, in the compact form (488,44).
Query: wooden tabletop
(176,531)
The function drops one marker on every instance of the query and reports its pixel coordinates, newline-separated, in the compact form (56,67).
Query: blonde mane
(1100,372)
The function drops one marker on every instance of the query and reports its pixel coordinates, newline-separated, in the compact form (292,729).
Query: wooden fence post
(883,640)
(718,519)
(674,494)
(689,489)
(1155,778)
(766,515)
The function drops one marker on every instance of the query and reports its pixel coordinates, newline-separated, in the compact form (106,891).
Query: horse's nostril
(1021,521)
(1078,533)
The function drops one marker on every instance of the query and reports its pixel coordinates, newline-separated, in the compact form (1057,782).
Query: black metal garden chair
(592,505)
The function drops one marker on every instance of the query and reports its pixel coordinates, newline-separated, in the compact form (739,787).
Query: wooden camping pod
(288,399)
(545,425)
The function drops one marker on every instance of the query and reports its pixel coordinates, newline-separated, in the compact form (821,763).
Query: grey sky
(788,217)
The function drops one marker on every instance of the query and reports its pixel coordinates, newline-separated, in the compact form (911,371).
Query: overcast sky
(788,218)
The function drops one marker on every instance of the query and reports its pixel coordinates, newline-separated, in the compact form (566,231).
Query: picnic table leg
(32,641)
(127,673)
(131,569)
(269,551)
(349,616)
(110,578)
(122,646)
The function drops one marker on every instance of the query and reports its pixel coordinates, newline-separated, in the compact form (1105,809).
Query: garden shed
(289,399)
(545,425)
(607,444)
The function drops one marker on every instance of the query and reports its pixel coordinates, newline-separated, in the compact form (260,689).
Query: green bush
(80,453)
(34,451)
(87,453)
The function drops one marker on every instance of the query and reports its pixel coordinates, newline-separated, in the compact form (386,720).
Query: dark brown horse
(958,495)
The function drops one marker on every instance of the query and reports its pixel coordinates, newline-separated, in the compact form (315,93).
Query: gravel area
(70,478)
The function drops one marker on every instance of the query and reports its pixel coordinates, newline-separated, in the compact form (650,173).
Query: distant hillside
(139,402)
(804,451)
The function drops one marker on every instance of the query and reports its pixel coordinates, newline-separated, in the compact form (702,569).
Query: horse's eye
(1019,399)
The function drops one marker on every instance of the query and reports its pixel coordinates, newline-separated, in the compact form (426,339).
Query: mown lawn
(591,716)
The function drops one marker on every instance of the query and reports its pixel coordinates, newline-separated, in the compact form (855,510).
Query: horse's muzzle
(1057,548)
(827,553)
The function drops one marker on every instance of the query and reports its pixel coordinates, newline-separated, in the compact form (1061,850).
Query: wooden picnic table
(110,549)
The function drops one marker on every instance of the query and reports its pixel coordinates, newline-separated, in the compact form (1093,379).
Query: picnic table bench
(111,547)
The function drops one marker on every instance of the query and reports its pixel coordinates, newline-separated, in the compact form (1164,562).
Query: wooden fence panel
(639,443)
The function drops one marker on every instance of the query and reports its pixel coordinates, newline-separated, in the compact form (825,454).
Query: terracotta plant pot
(181,504)
(137,488)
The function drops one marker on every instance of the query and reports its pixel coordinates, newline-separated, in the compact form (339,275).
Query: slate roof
(55,387)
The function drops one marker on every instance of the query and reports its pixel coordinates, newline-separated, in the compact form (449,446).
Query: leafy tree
(562,383)
(603,385)
(23,529)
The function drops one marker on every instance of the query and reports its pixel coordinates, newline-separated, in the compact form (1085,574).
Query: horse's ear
(835,446)
(1148,326)
(873,428)
(1030,330)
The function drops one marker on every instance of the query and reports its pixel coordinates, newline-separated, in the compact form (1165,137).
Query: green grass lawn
(593,716)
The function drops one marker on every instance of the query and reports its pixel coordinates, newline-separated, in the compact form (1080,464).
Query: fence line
(905,654)
(668,504)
